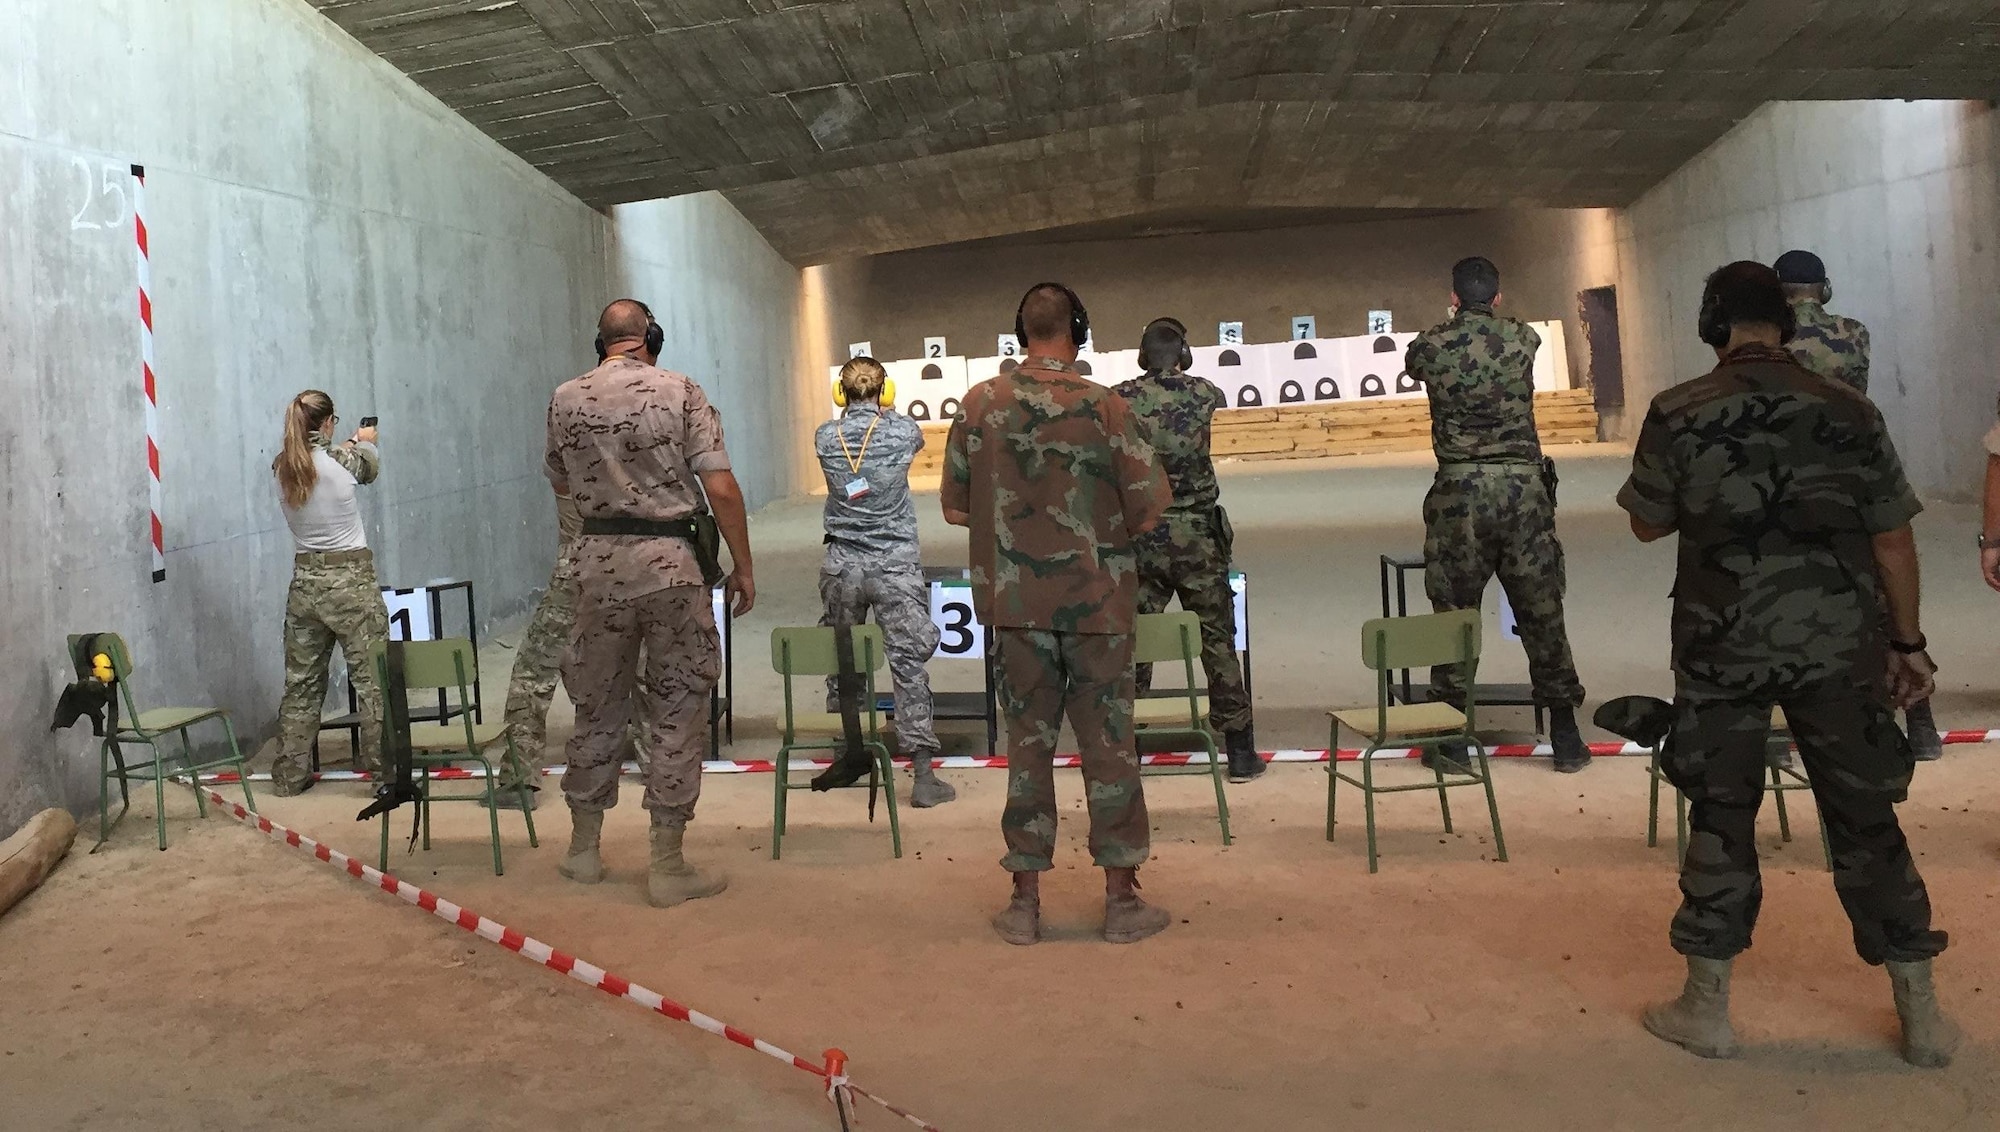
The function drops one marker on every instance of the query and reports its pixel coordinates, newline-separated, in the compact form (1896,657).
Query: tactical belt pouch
(699,529)
(1549,479)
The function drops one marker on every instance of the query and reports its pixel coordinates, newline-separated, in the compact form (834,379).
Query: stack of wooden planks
(1344,428)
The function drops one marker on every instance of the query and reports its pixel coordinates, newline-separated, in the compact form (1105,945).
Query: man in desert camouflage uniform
(1050,473)
(1836,347)
(1187,554)
(1797,586)
(874,564)
(637,448)
(1492,509)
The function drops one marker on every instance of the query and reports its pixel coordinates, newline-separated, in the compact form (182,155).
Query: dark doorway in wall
(1598,310)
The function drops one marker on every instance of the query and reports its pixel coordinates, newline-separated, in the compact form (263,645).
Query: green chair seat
(147,728)
(1392,644)
(1404,720)
(811,651)
(157,721)
(442,666)
(1167,638)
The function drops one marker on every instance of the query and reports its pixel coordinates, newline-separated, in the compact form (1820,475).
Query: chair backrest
(809,650)
(449,663)
(1417,642)
(1166,636)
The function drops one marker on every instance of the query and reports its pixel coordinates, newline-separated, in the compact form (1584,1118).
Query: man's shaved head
(624,320)
(1045,314)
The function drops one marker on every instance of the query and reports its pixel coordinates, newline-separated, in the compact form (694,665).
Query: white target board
(1552,360)
(410,614)
(933,388)
(1109,368)
(1240,586)
(1239,371)
(1306,372)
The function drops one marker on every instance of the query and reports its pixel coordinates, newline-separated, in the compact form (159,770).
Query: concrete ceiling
(849,128)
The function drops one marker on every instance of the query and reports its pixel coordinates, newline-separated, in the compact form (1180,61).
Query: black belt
(651,528)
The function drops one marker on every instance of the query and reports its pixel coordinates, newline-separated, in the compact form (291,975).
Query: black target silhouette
(919,411)
(1405,383)
(1385,345)
(1083,367)
(1326,390)
(1009,365)
(1249,397)
(932,373)
(1371,386)
(1304,350)
(1228,358)
(949,410)
(1291,393)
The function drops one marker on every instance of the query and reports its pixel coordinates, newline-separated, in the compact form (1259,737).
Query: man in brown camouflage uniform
(1492,509)
(1794,524)
(1187,554)
(637,448)
(1050,473)
(1834,346)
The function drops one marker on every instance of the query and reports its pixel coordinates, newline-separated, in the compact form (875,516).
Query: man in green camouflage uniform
(1187,554)
(1492,508)
(1052,476)
(1794,522)
(1836,347)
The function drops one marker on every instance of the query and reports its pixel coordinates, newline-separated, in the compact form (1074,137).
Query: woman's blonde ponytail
(294,465)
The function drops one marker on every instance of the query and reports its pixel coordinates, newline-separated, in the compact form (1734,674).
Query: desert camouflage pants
(675,628)
(333,598)
(1184,557)
(850,588)
(531,684)
(1486,519)
(1859,765)
(1045,676)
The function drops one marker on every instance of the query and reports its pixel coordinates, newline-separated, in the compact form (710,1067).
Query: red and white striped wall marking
(153,494)
(983,762)
(833,1072)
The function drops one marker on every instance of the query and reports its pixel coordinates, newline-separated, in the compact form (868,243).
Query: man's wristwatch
(1922,644)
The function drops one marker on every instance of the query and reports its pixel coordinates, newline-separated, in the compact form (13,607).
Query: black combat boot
(1567,742)
(1244,763)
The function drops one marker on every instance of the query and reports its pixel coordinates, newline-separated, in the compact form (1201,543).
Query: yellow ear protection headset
(656,339)
(886,398)
(1079,319)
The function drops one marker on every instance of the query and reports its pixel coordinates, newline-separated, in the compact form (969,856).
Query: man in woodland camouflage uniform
(1187,554)
(1836,347)
(1492,509)
(1050,473)
(874,564)
(1797,586)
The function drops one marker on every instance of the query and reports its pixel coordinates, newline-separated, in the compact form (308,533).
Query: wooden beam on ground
(32,852)
(1344,428)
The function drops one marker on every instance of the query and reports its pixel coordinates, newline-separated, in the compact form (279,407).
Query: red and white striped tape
(983,762)
(531,948)
(153,494)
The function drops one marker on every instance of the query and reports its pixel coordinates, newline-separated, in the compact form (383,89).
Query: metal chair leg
(1778,795)
(1368,800)
(1444,799)
(1332,774)
(1492,803)
(1215,776)
(159,794)
(194,779)
(1653,800)
(779,787)
(242,768)
(889,795)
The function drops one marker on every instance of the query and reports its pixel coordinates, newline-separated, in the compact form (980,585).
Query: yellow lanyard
(853,461)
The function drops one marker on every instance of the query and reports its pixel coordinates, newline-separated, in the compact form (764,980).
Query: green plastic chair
(1783,780)
(444,665)
(149,727)
(1183,717)
(809,651)
(1393,643)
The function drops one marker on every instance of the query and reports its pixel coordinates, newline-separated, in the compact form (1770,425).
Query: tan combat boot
(672,880)
(1020,922)
(1929,1038)
(928,789)
(583,865)
(1698,1021)
(1127,918)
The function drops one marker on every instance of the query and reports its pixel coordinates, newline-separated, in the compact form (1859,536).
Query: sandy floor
(241,985)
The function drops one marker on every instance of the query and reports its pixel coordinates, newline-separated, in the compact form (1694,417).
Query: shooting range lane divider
(833,1071)
(981,762)
(154,496)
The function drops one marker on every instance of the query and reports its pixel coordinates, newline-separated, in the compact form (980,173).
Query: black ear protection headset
(1187,351)
(1079,319)
(1714,326)
(656,339)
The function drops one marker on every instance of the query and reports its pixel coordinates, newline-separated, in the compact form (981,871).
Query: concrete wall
(1902,200)
(1335,272)
(315,220)
(734,314)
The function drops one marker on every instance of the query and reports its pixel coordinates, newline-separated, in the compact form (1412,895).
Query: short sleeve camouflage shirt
(1831,346)
(1058,482)
(1479,370)
(1776,480)
(1175,411)
(876,445)
(627,440)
